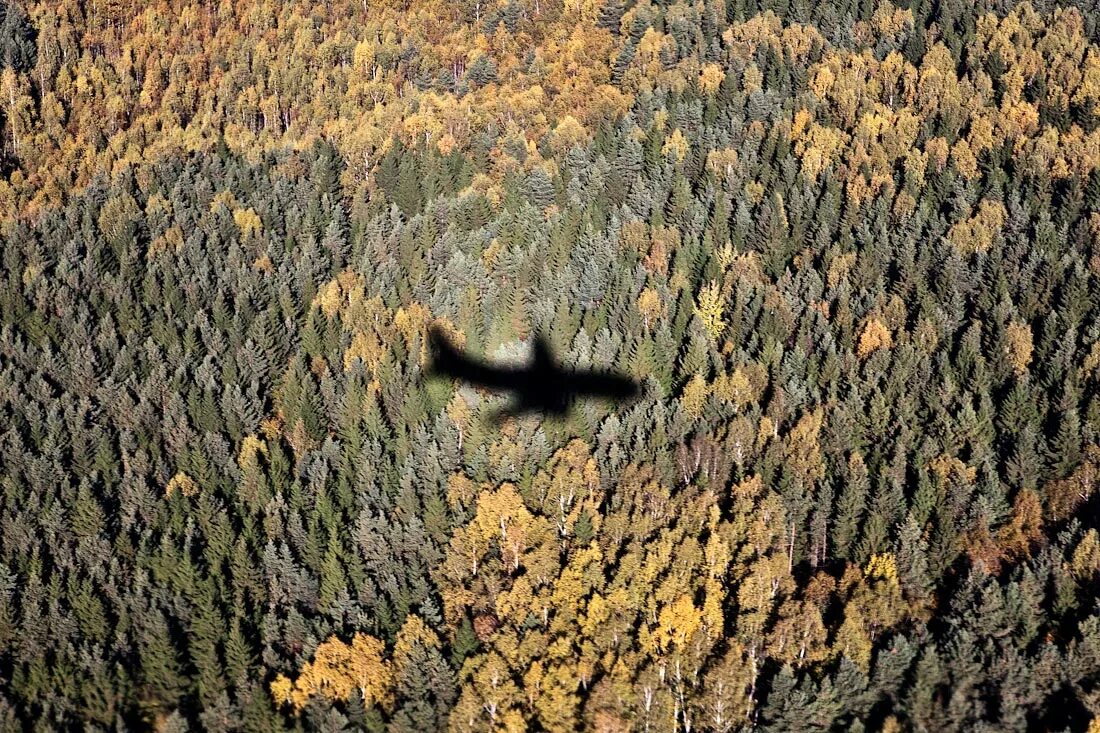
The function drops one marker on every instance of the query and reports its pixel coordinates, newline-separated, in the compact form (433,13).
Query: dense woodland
(850,248)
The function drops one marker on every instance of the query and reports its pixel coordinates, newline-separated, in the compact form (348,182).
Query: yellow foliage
(660,117)
(491,252)
(365,347)
(248,221)
(251,447)
(950,467)
(329,298)
(1015,537)
(596,613)
(748,489)
(678,622)
(1092,361)
(710,78)
(634,236)
(839,268)
(30,274)
(223,198)
(263,263)
(889,20)
(1018,346)
(852,640)
(412,322)
(981,134)
(676,145)
(767,430)
(937,149)
(976,233)
(183,483)
(695,396)
(883,566)
(904,205)
(460,413)
(768,29)
(282,689)
(875,336)
(802,119)
(916,163)
(726,256)
(271,427)
(804,452)
(711,309)
(734,388)
(117,216)
(821,81)
(339,669)
(664,241)
(722,162)
(963,158)
(752,79)
(649,49)
(583,10)
(1086,558)
(413,632)
(818,147)
(460,490)
(569,132)
(649,305)
(926,336)
(502,518)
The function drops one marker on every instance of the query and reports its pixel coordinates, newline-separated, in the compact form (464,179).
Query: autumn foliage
(850,249)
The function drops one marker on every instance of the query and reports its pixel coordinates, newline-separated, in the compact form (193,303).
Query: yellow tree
(460,413)
(183,483)
(723,703)
(694,397)
(710,78)
(711,309)
(248,460)
(676,146)
(338,670)
(677,623)
(976,233)
(852,639)
(490,698)
(568,486)
(18,108)
(803,451)
(1018,346)
(876,600)
(567,133)
(1025,527)
(875,336)
(649,305)
(798,635)
(735,388)
(1086,557)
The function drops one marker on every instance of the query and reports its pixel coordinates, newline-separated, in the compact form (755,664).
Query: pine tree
(851,505)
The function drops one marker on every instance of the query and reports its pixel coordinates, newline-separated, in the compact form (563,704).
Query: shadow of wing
(604,384)
(448,361)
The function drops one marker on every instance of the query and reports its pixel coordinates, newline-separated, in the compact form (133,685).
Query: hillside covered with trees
(851,249)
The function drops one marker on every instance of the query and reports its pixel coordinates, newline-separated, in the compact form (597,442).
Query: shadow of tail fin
(444,356)
(541,351)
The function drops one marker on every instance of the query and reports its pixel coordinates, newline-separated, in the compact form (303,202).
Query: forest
(850,250)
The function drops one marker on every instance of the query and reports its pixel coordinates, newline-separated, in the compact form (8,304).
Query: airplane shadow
(543,386)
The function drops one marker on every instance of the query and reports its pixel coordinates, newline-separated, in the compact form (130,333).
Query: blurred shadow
(543,386)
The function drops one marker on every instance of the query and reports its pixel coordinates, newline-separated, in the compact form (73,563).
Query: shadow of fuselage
(543,386)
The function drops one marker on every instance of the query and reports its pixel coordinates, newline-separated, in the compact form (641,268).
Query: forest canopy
(851,249)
